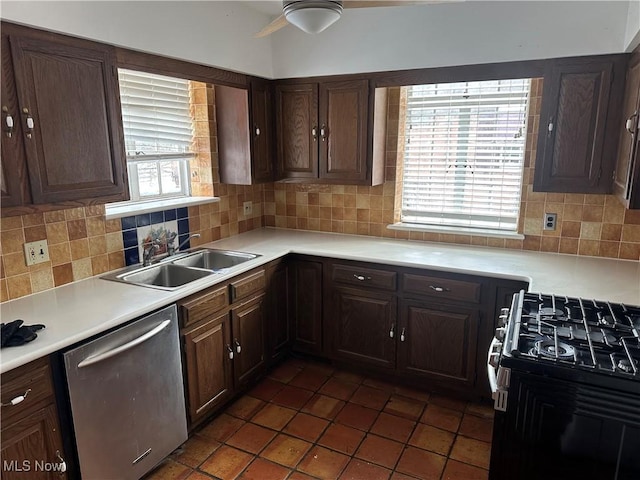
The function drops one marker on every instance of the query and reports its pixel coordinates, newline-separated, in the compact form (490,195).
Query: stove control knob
(502,320)
(500,332)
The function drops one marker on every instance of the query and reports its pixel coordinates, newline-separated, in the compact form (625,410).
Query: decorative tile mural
(170,227)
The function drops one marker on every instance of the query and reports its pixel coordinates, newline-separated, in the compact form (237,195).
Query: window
(464,154)
(158,134)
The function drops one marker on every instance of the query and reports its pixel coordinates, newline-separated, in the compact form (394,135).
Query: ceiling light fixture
(312,16)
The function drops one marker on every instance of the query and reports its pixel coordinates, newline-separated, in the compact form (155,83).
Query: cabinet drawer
(248,285)
(364,277)
(443,288)
(34,378)
(199,307)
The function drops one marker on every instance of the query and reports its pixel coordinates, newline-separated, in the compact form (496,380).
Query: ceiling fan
(314,16)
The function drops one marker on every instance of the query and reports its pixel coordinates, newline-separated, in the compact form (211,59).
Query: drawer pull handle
(402,336)
(17,400)
(238,347)
(439,289)
(391,332)
(62,466)
(230,350)
(362,278)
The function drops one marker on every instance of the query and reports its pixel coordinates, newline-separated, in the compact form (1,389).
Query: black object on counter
(15,333)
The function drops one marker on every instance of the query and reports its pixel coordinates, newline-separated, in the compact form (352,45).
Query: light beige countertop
(79,310)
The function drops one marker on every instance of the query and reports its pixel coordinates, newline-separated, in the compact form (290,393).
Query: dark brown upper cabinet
(626,181)
(62,96)
(578,133)
(245,142)
(323,132)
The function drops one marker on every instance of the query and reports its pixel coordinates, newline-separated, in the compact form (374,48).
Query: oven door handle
(494,352)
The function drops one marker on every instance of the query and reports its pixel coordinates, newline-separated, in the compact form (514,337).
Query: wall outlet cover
(247,208)
(36,252)
(550,220)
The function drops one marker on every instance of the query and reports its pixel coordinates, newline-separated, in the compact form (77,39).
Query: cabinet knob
(238,346)
(438,289)
(257,130)
(62,465)
(17,400)
(8,120)
(30,124)
(550,127)
(402,335)
(631,124)
(391,332)
(230,350)
(314,133)
(361,278)
(323,132)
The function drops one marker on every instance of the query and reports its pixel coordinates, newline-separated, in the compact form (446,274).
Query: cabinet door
(31,445)
(627,174)
(363,325)
(248,340)
(306,298)
(69,112)
(234,139)
(209,380)
(438,341)
(297,128)
(279,325)
(343,130)
(13,182)
(578,110)
(262,131)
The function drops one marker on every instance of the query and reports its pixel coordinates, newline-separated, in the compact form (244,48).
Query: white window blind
(158,131)
(464,153)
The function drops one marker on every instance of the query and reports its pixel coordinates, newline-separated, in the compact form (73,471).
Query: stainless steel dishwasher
(127,398)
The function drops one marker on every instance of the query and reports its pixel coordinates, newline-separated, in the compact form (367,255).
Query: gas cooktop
(602,337)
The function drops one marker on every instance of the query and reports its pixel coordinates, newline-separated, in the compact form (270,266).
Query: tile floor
(309,421)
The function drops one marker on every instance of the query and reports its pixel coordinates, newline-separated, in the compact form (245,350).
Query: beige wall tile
(57,233)
(60,253)
(82,268)
(12,241)
(42,280)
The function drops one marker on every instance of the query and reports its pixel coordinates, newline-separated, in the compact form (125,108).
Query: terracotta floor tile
(381,451)
(348,376)
(441,417)
(401,476)
(323,406)
(245,407)
(379,384)
(404,407)
(471,451)
(422,464)
(306,426)
(309,379)
(480,410)
(360,470)
(323,463)
(251,438)
(226,463)
(342,438)
(261,469)
(461,471)
(408,392)
(476,427)
(337,388)
(321,368)
(196,450)
(357,416)
(169,470)
(286,450)
(370,397)
(198,476)
(273,416)
(300,476)
(393,427)
(432,439)
(284,373)
(292,397)
(221,428)
(447,402)
(266,389)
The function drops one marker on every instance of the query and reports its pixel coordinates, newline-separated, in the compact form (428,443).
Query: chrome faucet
(172,251)
(148,248)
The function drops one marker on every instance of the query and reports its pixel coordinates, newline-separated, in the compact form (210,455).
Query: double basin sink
(176,271)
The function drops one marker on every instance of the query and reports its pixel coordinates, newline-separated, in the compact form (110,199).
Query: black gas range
(565,377)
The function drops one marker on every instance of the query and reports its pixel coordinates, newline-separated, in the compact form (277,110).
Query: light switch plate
(36,252)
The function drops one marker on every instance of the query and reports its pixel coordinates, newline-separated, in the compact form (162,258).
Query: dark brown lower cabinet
(305,287)
(438,341)
(278,318)
(247,322)
(208,366)
(364,324)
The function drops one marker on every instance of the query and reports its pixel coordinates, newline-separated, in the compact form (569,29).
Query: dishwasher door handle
(111,353)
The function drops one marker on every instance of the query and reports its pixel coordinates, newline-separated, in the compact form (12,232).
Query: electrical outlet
(36,252)
(550,221)
(247,208)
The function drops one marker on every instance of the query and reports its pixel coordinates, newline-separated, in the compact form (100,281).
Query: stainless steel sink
(175,272)
(215,259)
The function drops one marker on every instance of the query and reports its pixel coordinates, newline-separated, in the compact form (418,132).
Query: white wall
(378,39)
(632,33)
(220,33)
(212,33)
